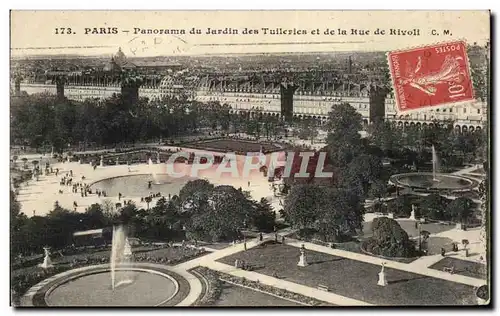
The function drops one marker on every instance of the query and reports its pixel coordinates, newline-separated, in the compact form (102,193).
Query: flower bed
(285,294)
(131,155)
(214,286)
(188,254)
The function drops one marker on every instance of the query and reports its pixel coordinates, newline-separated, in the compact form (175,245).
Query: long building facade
(299,95)
(304,104)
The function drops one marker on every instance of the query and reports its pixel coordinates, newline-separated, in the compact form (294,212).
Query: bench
(323,287)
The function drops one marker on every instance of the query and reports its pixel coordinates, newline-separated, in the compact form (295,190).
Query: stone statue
(127,249)
(101,163)
(382,281)
(302,259)
(47,263)
(412,216)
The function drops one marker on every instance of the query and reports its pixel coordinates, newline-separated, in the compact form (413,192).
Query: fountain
(132,283)
(433,181)
(153,172)
(121,254)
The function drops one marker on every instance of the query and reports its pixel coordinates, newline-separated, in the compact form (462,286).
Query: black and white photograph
(250,158)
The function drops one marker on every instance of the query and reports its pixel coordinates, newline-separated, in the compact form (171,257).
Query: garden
(354,279)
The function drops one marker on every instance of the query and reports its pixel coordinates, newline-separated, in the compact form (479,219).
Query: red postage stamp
(431,76)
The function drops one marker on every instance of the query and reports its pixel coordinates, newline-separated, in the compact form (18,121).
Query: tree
(17,221)
(344,140)
(386,136)
(61,224)
(389,239)
(401,206)
(195,192)
(341,215)
(361,173)
(434,207)
(333,213)
(308,129)
(303,205)
(378,189)
(226,212)
(95,217)
(264,217)
(461,209)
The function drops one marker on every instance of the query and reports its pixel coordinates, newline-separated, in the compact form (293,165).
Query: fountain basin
(152,285)
(137,185)
(430,182)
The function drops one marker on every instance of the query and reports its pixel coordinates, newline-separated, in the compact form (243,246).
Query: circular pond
(146,289)
(138,185)
(142,284)
(427,181)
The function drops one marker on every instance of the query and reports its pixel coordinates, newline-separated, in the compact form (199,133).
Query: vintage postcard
(250,158)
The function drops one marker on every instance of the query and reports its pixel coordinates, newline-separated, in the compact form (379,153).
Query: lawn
(354,279)
(233,295)
(462,267)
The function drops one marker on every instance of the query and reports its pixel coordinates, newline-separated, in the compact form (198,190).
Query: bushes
(389,240)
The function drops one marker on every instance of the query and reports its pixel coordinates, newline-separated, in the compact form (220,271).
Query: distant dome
(120,57)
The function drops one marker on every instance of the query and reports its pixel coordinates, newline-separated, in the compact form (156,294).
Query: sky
(41,32)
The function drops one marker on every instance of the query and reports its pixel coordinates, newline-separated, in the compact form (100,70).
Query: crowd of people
(77,187)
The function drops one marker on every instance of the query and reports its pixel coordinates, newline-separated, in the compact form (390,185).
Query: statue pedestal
(382,281)
(390,215)
(459,226)
(101,164)
(412,216)
(302,261)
